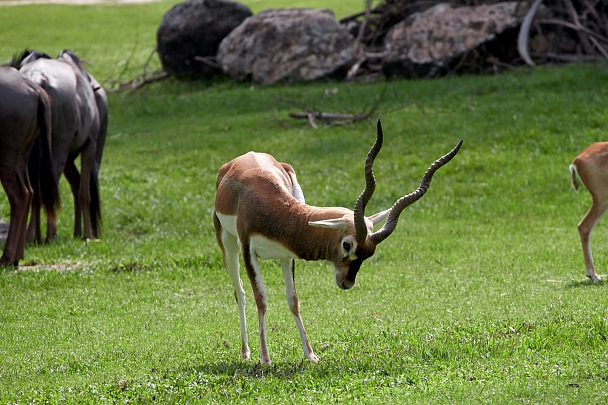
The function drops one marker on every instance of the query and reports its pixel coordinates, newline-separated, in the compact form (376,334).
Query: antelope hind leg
(288,266)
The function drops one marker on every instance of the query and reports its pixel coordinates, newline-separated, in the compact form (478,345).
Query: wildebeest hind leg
(19,194)
(84,194)
(71,173)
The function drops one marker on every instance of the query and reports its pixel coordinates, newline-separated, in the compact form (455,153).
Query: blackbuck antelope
(260,211)
(592,168)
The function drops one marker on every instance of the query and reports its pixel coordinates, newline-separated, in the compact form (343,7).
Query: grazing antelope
(260,211)
(592,168)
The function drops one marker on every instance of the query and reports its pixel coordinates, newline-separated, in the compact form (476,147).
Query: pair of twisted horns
(402,203)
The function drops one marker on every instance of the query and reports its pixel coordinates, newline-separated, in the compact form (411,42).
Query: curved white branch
(524,33)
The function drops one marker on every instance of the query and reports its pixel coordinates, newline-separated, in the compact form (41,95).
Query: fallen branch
(140,81)
(336,119)
(568,57)
(524,33)
(329,118)
(553,21)
(209,61)
(143,79)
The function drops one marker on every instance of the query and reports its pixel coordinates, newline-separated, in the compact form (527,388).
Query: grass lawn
(479,296)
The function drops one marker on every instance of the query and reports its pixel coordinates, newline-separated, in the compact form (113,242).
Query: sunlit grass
(479,296)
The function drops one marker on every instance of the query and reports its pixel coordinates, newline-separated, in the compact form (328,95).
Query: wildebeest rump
(25,114)
(77,129)
(70,171)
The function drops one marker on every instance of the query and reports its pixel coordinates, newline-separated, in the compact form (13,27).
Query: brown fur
(263,198)
(592,168)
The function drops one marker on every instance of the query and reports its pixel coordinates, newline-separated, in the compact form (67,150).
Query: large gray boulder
(287,45)
(193,30)
(428,43)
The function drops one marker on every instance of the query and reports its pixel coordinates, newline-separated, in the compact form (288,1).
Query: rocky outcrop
(287,45)
(427,44)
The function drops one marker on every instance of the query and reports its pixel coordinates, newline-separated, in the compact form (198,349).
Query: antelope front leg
(230,252)
(288,266)
(585,227)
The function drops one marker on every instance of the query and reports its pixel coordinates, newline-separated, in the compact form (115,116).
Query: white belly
(260,246)
(267,249)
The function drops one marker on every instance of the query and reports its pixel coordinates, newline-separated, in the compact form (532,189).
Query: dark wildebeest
(70,171)
(79,122)
(25,114)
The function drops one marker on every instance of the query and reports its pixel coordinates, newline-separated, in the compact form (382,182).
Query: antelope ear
(338,223)
(379,217)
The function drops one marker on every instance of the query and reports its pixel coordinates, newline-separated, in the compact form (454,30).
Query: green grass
(478,297)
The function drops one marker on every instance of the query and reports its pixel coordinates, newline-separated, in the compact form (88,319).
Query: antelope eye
(346,246)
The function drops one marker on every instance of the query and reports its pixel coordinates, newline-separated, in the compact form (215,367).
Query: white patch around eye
(353,246)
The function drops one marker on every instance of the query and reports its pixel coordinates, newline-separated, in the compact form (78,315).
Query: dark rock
(194,29)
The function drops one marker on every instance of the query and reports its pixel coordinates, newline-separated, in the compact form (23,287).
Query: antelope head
(356,240)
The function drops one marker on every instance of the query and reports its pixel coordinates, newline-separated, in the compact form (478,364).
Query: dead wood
(337,119)
(142,79)
(524,33)
(566,27)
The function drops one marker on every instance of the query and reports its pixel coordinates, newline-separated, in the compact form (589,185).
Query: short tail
(574,175)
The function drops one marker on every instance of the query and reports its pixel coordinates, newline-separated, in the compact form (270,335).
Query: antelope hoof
(313,357)
(594,277)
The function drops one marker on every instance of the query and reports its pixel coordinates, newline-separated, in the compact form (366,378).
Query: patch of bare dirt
(53,267)
(30,265)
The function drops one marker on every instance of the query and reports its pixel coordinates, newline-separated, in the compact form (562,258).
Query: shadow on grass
(587,283)
(255,369)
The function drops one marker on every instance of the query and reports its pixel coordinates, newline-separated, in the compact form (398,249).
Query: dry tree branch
(568,57)
(337,119)
(368,10)
(524,33)
(148,61)
(208,60)
(582,28)
(142,79)
(584,41)
(599,47)
(352,72)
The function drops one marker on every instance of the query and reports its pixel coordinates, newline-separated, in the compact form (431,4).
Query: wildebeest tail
(49,183)
(95,209)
